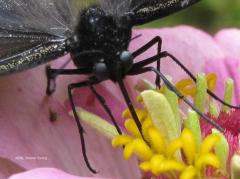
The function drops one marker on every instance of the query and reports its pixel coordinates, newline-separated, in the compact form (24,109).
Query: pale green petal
(213,109)
(192,123)
(201,92)
(173,101)
(235,167)
(161,113)
(222,150)
(229,85)
(96,122)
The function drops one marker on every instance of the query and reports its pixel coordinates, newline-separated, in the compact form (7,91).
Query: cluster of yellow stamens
(161,154)
(162,147)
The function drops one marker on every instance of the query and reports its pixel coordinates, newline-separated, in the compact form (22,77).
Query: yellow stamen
(156,140)
(189,173)
(186,87)
(207,159)
(158,164)
(189,145)
(209,142)
(147,123)
(162,166)
(140,113)
(139,99)
(173,147)
(164,149)
(121,140)
(211,81)
(140,148)
(131,126)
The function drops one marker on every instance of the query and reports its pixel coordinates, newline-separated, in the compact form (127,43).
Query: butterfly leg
(106,108)
(163,54)
(53,73)
(156,40)
(171,87)
(130,105)
(71,87)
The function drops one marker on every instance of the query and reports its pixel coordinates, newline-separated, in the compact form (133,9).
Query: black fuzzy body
(98,31)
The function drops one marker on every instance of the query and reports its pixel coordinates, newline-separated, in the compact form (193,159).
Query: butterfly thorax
(100,37)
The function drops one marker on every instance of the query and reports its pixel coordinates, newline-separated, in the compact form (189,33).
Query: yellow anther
(155,162)
(172,165)
(159,164)
(189,173)
(186,87)
(121,140)
(188,144)
(211,81)
(145,166)
(208,159)
(161,90)
(138,147)
(128,150)
(147,123)
(139,99)
(126,114)
(157,141)
(140,113)
(131,126)
(209,143)
(173,147)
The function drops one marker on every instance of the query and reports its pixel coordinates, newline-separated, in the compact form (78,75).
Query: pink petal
(30,140)
(191,46)
(46,173)
(8,168)
(229,41)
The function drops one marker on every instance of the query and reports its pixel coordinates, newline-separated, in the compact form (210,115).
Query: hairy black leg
(156,40)
(51,77)
(79,125)
(130,105)
(106,108)
(178,93)
(166,54)
(53,73)
(51,81)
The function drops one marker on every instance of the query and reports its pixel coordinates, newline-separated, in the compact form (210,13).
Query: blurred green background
(210,15)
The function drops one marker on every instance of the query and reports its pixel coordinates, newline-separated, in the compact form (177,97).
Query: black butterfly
(95,33)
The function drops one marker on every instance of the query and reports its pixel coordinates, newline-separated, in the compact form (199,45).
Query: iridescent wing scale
(33,32)
(148,10)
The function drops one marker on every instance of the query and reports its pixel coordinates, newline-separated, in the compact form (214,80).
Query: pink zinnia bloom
(24,113)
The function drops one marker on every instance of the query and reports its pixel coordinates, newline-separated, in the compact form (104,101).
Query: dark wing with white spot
(33,32)
(148,10)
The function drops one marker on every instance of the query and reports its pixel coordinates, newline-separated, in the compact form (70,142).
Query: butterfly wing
(33,32)
(148,10)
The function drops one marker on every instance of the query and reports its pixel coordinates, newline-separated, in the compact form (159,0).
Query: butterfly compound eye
(100,70)
(126,59)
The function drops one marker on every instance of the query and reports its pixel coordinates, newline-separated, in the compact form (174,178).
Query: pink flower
(29,140)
